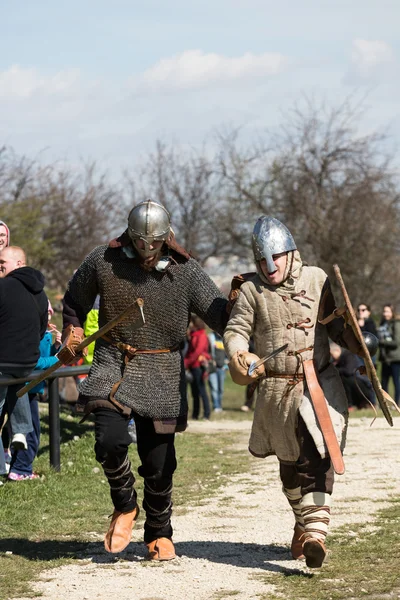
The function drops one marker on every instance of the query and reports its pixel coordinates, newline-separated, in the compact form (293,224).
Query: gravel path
(227,544)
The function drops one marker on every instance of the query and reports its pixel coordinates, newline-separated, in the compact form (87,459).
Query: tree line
(335,188)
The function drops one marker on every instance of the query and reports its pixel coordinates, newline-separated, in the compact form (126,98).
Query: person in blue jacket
(21,467)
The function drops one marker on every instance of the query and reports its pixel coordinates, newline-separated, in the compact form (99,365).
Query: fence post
(54,424)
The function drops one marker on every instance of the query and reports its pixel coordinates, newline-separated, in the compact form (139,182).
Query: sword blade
(265,359)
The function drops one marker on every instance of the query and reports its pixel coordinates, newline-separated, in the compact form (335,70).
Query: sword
(257,363)
(138,322)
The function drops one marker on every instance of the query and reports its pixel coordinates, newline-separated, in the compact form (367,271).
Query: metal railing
(54,404)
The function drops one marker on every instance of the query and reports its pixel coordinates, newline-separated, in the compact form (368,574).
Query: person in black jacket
(23,322)
(389,349)
(364,318)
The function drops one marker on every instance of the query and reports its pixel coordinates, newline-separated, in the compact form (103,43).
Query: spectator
(23,321)
(4,236)
(216,376)
(91,326)
(4,242)
(364,318)
(356,386)
(196,360)
(22,460)
(366,324)
(389,345)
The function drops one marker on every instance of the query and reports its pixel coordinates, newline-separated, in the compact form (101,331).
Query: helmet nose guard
(149,222)
(270,237)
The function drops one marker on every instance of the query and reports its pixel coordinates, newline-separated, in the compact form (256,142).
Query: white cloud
(194,69)
(370,61)
(17,82)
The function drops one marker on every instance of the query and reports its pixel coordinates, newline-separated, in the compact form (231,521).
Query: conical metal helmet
(150,222)
(270,237)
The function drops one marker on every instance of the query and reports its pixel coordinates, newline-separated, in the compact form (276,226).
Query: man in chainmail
(140,373)
(289,305)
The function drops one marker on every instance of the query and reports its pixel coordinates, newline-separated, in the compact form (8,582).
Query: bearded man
(287,302)
(140,373)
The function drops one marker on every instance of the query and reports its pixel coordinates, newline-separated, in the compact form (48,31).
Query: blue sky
(104,80)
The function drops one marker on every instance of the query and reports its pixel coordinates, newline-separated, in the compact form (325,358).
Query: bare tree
(55,214)
(186,184)
(334,188)
(246,181)
(81,210)
(339,195)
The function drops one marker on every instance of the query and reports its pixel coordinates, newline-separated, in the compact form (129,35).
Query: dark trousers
(311,472)
(158,463)
(388,371)
(22,460)
(198,387)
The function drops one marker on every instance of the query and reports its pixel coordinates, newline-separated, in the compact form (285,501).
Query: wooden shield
(384,400)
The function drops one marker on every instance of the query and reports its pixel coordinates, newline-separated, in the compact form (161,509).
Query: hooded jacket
(23,317)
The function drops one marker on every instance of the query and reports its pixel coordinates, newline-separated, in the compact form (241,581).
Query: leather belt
(129,353)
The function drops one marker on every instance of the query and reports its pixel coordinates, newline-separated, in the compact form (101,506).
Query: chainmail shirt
(153,385)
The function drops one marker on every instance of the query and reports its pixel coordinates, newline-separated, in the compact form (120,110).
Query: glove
(239,366)
(71,338)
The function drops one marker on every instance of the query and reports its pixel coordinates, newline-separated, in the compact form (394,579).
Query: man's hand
(239,366)
(71,338)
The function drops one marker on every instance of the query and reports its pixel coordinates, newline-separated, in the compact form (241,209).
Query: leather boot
(315,551)
(119,533)
(297,543)
(161,549)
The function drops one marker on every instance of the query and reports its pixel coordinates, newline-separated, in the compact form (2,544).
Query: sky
(100,80)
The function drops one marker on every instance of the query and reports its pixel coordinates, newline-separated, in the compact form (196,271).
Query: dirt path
(227,544)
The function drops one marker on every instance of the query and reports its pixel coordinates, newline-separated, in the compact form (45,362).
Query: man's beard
(149,263)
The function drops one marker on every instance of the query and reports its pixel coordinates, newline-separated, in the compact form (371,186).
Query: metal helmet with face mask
(150,222)
(270,237)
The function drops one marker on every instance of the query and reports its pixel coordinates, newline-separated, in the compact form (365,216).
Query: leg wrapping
(294,498)
(315,510)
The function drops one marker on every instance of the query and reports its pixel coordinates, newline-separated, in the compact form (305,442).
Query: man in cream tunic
(283,304)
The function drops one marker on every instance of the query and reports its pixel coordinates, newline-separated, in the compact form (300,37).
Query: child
(22,460)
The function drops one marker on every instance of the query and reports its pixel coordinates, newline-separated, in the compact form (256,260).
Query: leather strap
(130,351)
(323,416)
(338,312)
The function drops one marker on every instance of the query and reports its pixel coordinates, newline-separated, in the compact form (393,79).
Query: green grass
(233,399)
(363,565)
(48,522)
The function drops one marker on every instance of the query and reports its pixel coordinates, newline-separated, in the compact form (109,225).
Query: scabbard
(324,419)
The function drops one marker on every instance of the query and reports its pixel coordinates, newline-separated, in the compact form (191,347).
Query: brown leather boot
(161,549)
(119,533)
(315,551)
(297,543)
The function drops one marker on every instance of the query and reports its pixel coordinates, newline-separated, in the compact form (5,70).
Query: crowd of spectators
(358,387)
